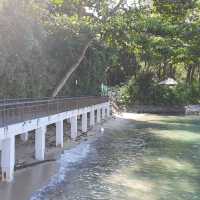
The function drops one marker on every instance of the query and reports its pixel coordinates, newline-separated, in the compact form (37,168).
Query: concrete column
(24,137)
(103,112)
(8,158)
(40,143)
(92,118)
(98,115)
(108,110)
(59,133)
(74,132)
(84,122)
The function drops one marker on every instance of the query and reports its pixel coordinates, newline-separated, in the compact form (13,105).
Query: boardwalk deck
(19,117)
(15,111)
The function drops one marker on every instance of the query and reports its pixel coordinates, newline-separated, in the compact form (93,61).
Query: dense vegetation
(165,40)
(71,47)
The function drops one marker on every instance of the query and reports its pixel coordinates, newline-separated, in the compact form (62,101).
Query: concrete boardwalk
(21,117)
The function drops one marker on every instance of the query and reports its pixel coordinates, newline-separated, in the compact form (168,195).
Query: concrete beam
(59,133)
(24,137)
(8,158)
(40,143)
(74,132)
(84,122)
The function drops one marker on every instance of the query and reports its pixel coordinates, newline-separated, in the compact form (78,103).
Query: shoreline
(35,175)
(32,183)
(181,110)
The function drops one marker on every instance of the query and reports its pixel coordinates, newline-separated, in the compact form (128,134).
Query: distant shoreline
(166,110)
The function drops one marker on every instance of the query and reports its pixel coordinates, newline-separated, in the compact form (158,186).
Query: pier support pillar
(92,118)
(103,112)
(40,143)
(74,132)
(98,115)
(84,122)
(24,137)
(59,133)
(108,110)
(8,158)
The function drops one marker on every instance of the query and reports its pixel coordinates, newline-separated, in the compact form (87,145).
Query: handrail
(4,102)
(42,98)
(23,111)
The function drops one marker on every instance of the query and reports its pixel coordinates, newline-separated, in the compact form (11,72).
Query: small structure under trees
(168,81)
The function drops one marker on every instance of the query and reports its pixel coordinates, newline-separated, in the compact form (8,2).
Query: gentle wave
(71,156)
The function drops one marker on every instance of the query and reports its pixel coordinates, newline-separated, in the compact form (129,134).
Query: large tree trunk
(72,69)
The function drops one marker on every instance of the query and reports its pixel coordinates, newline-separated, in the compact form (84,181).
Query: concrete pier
(103,112)
(84,122)
(8,158)
(40,143)
(92,117)
(59,133)
(74,132)
(39,124)
(108,110)
(98,115)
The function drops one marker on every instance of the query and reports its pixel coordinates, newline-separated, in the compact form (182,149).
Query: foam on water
(69,157)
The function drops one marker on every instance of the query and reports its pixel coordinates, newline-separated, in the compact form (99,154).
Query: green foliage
(57,2)
(174,9)
(54,33)
(144,90)
(165,39)
(138,45)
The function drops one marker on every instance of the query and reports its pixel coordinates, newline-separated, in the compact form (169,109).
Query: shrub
(144,90)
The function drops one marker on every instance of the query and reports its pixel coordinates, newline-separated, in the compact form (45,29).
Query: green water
(170,166)
(139,158)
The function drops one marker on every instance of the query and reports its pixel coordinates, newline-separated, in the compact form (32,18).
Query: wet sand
(27,181)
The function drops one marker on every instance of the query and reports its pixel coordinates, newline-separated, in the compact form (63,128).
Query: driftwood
(23,166)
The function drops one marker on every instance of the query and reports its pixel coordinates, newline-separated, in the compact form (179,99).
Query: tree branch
(72,69)
(80,59)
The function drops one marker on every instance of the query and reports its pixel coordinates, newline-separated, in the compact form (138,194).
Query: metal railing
(14,111)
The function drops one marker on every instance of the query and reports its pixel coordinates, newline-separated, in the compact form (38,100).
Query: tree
(87,17)
(164,38)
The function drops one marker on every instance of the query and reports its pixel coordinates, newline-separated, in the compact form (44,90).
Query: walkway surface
(19,110)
